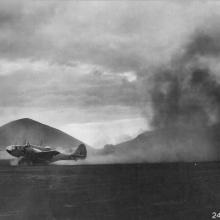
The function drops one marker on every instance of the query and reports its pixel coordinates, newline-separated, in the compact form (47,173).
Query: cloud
(121,36)
(92,55)
(43,84)
(20,23)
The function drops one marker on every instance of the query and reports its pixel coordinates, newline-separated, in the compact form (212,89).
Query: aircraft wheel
(24,162)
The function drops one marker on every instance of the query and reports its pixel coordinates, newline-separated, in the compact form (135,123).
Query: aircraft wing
(41,156)
(36,150)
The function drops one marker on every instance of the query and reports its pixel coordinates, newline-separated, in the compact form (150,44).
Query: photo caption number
(215,215)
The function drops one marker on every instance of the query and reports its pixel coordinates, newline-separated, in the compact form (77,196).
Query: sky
(83,66)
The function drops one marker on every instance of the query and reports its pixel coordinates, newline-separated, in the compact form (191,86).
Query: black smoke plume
(190,98)
(188,92)
(185,101)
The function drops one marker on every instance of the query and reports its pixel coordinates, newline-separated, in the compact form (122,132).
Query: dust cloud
(185,108)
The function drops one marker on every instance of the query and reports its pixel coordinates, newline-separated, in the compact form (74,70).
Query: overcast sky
(82,64)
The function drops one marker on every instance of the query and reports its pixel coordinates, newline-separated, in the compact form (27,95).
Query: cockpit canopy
(14,147)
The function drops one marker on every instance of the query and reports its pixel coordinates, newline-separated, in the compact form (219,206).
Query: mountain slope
(173,144)
(23,130)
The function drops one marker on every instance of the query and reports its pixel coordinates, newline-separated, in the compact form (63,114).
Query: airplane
(32,154)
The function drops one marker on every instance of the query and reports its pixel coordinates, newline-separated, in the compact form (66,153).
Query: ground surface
(136,191)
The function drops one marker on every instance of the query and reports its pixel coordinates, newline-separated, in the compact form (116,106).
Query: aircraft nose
(9,149)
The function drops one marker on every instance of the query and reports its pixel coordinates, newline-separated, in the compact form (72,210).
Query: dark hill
(23,130)
(172,144)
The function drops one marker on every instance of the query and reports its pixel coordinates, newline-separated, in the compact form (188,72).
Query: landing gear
(24,161)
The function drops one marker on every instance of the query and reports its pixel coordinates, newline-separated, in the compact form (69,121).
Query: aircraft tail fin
(80,153)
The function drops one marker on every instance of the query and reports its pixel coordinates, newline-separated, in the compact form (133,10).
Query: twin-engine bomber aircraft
(31,154)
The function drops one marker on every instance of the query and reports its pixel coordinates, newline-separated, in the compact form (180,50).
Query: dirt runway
(129,191)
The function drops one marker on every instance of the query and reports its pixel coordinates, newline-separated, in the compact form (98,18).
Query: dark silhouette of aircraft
(32,154)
